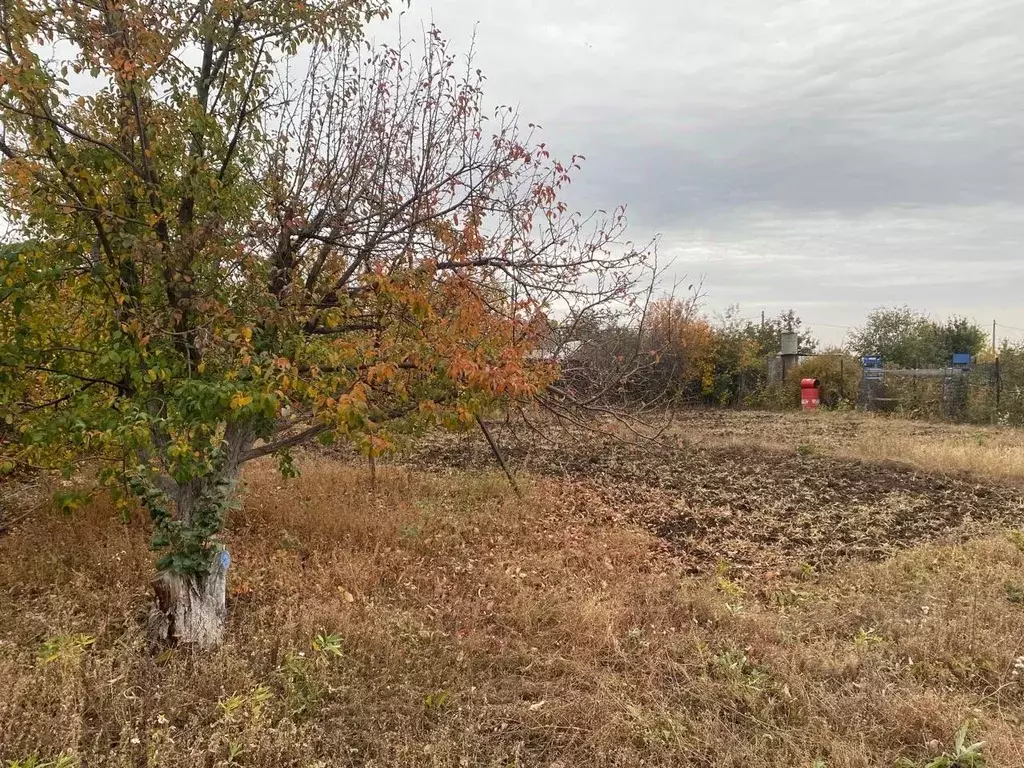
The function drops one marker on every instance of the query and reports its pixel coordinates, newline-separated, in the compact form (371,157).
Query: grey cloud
(878,117)
(827,153)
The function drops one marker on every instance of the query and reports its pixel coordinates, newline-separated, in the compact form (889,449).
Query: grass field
(755,590)
(984,451)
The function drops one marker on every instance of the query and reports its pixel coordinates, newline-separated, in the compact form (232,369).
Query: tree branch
(43,369)
(288,442)
(61,126)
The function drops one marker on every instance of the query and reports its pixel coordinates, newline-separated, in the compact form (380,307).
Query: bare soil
(754,508)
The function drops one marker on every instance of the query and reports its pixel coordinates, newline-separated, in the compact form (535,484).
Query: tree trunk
(190,609)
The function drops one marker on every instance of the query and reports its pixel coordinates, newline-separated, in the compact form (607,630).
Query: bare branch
(289,442)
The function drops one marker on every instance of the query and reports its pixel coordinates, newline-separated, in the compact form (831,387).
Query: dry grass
(460,626)
(991,452)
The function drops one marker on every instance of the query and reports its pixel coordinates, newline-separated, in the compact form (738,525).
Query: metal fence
(984,393)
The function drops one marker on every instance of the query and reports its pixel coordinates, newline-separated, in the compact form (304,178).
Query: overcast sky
(825,155)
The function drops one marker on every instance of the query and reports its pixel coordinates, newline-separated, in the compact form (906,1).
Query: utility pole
(762,319)
(993,336)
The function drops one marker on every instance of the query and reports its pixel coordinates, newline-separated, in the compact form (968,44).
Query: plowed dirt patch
(753,508)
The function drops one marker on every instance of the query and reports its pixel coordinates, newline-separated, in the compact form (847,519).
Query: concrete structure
(790,354)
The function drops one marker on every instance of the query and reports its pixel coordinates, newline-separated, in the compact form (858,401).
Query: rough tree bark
(190,609)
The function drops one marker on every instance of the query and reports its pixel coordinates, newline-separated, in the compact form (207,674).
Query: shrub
(838,373)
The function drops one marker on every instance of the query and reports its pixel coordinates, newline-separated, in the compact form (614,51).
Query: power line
(829,325)
(808,323)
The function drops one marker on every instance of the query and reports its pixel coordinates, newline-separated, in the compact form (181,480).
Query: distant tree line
(682,355)
(906,338)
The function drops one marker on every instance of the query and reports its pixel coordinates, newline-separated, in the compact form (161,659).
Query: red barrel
(810,394)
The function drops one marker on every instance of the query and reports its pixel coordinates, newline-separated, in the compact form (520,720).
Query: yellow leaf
(239,400)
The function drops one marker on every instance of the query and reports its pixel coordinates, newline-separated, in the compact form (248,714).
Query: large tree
(907,338)
(240,231)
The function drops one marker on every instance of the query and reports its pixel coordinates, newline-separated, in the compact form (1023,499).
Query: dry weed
(440,621)
(992,452)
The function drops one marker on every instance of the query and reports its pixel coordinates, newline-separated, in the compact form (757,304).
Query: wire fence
(985,393)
